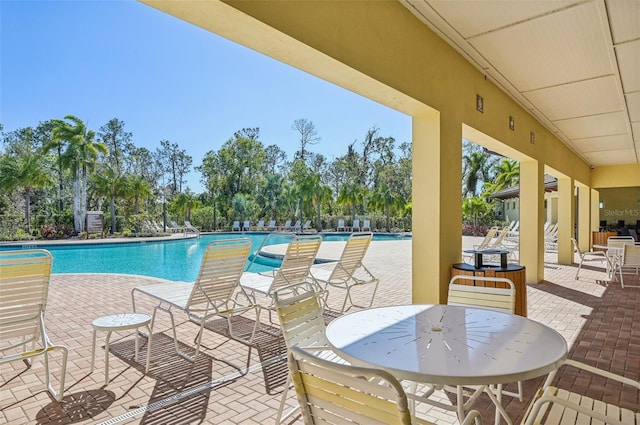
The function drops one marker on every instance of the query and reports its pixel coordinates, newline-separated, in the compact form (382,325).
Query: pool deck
(600,322)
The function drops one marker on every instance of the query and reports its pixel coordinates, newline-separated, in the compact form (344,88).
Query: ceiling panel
(579,99)
(633,103)
(628,55)
(625,19)
(484,16)
(593,126)
(597,144)
(530,55)
(612,157)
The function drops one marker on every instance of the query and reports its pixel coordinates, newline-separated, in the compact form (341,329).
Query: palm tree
(351,194)
(80,156)
(26,171)
(387,199)
(476,171)
(109,184)
(185,203)
(137,187)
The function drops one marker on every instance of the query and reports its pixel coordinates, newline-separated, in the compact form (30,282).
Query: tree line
(53,173)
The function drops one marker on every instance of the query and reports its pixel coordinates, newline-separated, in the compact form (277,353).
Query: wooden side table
(120,322)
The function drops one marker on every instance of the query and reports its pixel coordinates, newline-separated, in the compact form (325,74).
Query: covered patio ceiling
(574,65)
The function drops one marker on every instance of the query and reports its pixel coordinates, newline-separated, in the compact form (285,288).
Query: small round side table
(120,322)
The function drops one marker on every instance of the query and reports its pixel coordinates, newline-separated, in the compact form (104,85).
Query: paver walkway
(600,322)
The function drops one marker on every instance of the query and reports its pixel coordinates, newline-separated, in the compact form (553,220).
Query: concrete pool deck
(600,322)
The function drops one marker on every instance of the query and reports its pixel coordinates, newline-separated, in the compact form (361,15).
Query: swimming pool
(174,260)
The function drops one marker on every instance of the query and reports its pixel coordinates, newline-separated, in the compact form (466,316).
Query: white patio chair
(348,272)
(272,225)
(355,227)
(214,293)
(330,392)
(235,226)
(557,406)
(629,262)
(302,322)
(366,225)
(500,298)
(587,256)
(260,225)
(297,227)
(298,259)
(306,226)
(341,225)
(24,286)
(246,226)
(175,228)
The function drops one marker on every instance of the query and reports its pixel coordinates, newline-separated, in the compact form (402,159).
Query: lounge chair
(366,225)
(272,226)
(297,227)
(235,226)
(348,272)
(214,293)
(24,285)
(175,228)
(260,225)
(341,225)
(246,226)
(298,259)
(356,225)
(306,226)
(188,227)
(286,225)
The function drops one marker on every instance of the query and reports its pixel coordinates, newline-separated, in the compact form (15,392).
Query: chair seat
(560,407)
(256,282)
(176,293)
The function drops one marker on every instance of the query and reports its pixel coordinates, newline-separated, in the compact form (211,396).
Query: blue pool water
(173,260)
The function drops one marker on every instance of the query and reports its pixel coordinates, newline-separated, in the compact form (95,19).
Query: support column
(532,218)
(566,222)
(595,215)
(584,218)
(437,209)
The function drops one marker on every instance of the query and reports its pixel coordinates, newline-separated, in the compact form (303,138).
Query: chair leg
(280,417)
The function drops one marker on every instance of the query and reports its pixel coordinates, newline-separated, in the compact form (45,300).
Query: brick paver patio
(600,322)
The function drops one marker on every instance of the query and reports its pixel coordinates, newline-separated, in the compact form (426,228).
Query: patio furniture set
(373,365)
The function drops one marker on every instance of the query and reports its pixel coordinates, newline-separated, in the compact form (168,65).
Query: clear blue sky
(167,80)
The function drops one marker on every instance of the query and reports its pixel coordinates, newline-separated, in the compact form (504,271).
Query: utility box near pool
(513,272)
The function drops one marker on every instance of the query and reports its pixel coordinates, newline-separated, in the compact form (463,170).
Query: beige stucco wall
(381,51)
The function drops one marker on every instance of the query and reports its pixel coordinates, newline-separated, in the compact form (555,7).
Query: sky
(166,79)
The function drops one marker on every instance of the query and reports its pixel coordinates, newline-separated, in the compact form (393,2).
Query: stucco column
(584,217)
(437,209)
(595,215)
(532,220)
(566,214)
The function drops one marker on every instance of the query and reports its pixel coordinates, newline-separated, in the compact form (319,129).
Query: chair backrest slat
(493,298)
(24,285)
(222,265)
(297,261)
(354,251)
(329,392)
(301,318)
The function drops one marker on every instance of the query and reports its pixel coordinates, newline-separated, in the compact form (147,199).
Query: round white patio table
(448,345)
(120,322)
